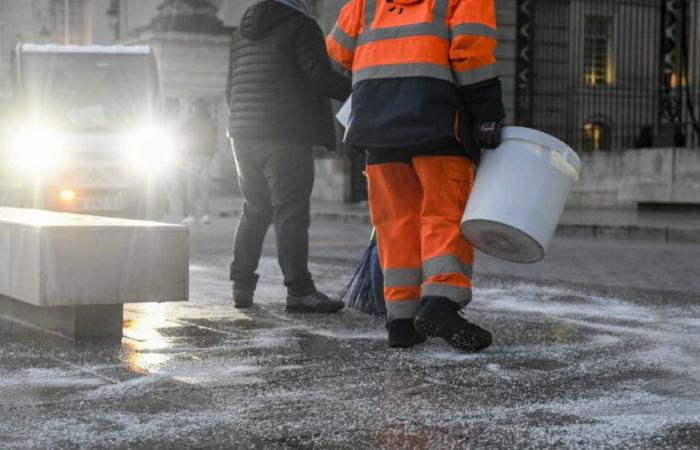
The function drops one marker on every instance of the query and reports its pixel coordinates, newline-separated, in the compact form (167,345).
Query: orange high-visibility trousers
(417,209)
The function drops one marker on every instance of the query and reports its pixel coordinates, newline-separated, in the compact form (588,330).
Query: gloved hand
(489,134)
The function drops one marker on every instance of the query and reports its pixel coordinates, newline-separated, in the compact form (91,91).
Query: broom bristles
(365,289)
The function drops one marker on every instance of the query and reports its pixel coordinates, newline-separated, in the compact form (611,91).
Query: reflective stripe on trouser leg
(402,292)
(447,257)
(394,199)
(447,276)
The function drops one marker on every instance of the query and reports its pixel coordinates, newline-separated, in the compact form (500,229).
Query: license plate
(111,203)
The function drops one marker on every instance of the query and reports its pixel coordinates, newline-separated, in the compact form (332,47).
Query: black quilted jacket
(280,78)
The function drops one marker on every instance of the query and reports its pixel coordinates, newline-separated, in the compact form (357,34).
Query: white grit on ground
(571,366)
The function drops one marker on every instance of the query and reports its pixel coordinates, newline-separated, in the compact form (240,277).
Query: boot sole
(462,339)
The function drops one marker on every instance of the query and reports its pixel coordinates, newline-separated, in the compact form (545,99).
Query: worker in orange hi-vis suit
(426,100)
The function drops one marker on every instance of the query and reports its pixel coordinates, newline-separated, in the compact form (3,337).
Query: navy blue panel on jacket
(280,78)
(415,112)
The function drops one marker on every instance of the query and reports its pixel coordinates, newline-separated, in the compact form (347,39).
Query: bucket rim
(545,140)
(467,225)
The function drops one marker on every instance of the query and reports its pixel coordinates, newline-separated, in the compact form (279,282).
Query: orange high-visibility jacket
(416,66)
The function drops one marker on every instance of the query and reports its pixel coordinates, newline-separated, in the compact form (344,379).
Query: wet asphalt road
(596,347)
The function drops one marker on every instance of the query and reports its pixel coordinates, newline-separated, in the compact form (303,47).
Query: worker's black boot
(440,318)
(402,334)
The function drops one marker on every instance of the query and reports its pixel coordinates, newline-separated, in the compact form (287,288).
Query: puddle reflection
(145,348)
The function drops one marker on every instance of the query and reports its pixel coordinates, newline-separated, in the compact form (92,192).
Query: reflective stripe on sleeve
(473,29)
(475,75)
(343,39)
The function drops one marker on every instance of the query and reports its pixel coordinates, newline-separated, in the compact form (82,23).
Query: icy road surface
(598,346)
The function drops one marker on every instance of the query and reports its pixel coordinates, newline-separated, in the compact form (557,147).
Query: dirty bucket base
(503,241)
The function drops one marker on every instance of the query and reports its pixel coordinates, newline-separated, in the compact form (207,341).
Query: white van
(82,133)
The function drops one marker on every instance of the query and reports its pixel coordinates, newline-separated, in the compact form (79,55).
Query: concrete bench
(72,273)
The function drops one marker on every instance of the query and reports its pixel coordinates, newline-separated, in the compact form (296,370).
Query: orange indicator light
(67,195)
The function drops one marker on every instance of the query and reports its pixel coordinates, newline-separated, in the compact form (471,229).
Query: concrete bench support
(102,322)
(72,273)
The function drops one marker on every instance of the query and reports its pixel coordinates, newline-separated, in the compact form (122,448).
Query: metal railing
(610,75)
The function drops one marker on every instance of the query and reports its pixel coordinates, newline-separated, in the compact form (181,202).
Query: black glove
(489,134)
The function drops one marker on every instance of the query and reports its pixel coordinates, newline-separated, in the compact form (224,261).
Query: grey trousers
(276,179)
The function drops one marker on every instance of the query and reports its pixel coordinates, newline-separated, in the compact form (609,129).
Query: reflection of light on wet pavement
(349,334)
(144,345)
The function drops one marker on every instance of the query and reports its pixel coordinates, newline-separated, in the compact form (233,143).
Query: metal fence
(607,75)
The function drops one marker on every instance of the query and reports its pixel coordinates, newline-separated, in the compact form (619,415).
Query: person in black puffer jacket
(279,84)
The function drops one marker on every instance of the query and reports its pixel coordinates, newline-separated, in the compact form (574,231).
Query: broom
(365,291)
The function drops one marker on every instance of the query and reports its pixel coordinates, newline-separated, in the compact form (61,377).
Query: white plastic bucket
(519,194)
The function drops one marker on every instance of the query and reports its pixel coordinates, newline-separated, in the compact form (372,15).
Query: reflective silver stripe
(370,9)
(456,294)
(473,29)
(402,71)
(437,28)
(472,76)
(445,264)
(440,12)
(419,29)
(402,277)
(404,309)
(345,40)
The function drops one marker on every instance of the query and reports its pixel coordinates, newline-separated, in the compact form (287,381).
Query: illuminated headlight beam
(35,149)
(150,149)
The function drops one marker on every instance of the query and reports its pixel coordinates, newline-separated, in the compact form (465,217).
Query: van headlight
(150,149)
(35,149)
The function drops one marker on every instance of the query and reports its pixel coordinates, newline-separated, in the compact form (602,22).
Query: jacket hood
(300,5)
(262,17)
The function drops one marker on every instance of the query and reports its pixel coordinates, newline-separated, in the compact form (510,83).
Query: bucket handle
(567,154)
(559,159)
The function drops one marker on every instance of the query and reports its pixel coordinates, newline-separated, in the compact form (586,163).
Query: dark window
(597,54)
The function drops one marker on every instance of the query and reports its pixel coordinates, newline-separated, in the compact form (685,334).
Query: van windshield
(88,91)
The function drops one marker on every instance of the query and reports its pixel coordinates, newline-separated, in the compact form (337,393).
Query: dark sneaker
(440,318)
(317,302)
(242,298)
(402,334)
